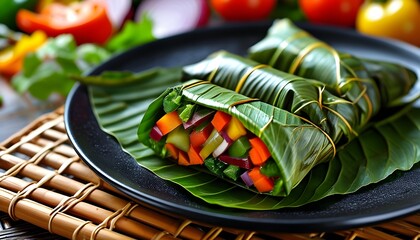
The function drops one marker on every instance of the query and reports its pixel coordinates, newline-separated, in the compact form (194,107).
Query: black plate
(395,197)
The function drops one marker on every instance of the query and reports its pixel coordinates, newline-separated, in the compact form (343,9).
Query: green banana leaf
(295,145)
(369,84)
(377,153)
(338,117)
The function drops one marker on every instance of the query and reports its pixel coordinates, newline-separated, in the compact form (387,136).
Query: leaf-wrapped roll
(305,97)
(369,84)
(295,146)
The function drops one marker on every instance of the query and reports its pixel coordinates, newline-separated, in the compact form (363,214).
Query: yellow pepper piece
(235,129)
(11,59)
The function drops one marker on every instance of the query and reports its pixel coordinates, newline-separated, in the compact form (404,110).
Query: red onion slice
(174,16)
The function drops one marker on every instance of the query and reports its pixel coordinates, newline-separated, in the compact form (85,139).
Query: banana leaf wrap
(369,84)
(295,144)
(338,117)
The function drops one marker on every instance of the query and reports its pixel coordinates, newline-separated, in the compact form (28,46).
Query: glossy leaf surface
(388,146)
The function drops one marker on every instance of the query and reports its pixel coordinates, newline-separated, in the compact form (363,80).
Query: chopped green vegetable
(240,147)
(270,169)
(186,112)
(50,69)
(232,172)
(132,34)
(179,138)
(171,102)
(215,166)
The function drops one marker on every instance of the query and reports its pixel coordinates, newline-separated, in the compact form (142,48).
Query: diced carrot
(183,158)
(255,157)
(197,138)
(264,184)
(194,156)
(173,151)
(235,129)
(261,182)
(258,148)
(168,122)
(220,120)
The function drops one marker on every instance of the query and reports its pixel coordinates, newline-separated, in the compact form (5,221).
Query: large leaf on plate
(384,148)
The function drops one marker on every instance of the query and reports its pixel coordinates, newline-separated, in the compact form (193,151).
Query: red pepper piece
(87,21)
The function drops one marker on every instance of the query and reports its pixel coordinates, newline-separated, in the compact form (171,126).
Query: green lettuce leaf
(49,69)
(132,34)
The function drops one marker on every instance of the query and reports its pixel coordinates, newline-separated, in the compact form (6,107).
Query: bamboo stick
(54,160)
(71,186)
(82,209)
(64,225)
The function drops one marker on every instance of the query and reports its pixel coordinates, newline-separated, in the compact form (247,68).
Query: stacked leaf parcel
(279,127)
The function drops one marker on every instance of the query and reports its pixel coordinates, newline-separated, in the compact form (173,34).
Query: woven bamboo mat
(47,192)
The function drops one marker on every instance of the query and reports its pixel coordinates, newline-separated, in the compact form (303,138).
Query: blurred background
(43,43)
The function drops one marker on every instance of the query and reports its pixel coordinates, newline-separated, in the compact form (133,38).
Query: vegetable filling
(195,135)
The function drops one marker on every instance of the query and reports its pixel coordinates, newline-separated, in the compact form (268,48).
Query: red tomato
(331,12)
(243,10)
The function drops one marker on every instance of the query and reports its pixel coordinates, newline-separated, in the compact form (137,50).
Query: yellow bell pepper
(11,58)
(398,19)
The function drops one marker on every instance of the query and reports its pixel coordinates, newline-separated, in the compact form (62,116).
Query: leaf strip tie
(266,125)
(304,105)
(299,58)
(359,81)
(363,93)
(323,132)
(274,102)
(248,100)
(338,63)
(213,73)
(343,120)
(283,44)
(246,75)
(194,83)
(320,90)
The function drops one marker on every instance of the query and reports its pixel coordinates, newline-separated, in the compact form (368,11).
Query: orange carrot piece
(220,120)
(194,156)
(168,122)
(173,151)
(255,157)
(183,159)
(197,138)
(261,149)
(261,182)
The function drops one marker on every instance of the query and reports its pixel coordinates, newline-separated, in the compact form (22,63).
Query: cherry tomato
(331,12)
(399,19)
(243,10)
